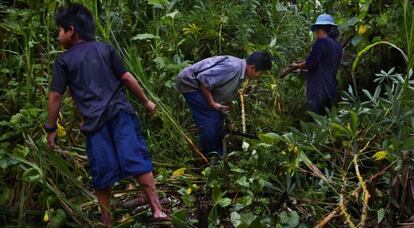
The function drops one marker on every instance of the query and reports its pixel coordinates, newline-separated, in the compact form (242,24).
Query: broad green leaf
(172,15)
(352,21)
(3,163)
(158,3)
(339,128)
(59,218)
(270,138)
(246,200)
(247,218)
(21,151)
(235,219)
(290,219)
(237,170)
(380,215)
(356,40)
(273,43)
(224,202)
(189,200)
(293,219)
(206,171)
(243,182)
(31,175)
(216,194)
(284,217)
(145,36)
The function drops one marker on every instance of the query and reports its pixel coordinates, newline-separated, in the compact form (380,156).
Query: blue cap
(323,19)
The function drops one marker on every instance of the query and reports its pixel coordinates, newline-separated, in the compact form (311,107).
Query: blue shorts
(117,151)
(209,123)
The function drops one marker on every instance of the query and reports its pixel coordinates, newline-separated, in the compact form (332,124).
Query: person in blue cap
(322,65)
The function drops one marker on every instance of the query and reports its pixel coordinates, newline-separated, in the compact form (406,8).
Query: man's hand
(51,137)
(220,107)
(150,107)
(298,65)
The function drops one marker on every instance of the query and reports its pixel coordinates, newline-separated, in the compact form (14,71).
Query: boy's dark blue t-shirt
(92,71)
(322,64)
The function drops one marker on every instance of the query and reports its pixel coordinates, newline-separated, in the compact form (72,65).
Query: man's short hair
(80,18)
(261,60)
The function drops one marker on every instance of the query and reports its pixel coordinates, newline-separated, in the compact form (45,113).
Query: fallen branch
(345,212)
(365,192)
(195,149)
(326,219)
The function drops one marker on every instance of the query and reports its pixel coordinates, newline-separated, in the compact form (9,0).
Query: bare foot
(106,220)
(160,216)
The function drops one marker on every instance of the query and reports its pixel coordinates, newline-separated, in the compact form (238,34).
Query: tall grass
(409,31)
(170,124)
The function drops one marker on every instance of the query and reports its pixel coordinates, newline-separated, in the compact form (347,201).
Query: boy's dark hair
(80,18)
(331,30)
(261,60)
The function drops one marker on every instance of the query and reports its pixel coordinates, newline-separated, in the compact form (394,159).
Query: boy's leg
(104,196)
(104,169)
(147,182)
(134,158)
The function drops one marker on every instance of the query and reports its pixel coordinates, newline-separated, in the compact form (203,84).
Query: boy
(209,85)
(96,78)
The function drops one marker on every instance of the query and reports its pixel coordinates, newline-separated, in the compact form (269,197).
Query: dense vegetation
(353,167)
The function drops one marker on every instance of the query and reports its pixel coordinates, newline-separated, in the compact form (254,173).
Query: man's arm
(298,65)
(313,58)
(292,67)
(55,99)
(132,85)
(210,99)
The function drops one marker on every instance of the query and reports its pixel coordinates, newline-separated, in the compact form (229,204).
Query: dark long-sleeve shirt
(322,64)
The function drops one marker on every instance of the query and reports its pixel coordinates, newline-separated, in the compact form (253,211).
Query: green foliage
(297,171)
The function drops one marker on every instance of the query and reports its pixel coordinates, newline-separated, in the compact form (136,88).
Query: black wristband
(50,129)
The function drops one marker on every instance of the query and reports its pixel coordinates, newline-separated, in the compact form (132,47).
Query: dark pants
(318,106)
(209,123)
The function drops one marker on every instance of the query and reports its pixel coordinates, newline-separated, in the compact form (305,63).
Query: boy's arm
(132,85)
(55,99)
(211,102)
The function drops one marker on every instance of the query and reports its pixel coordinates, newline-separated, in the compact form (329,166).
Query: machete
(241,134)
